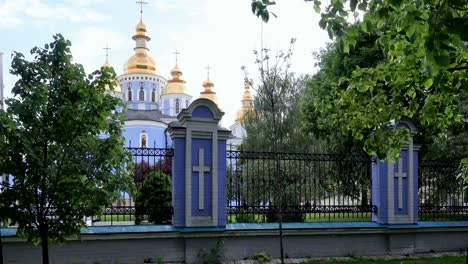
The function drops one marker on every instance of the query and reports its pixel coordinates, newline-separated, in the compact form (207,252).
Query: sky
(219,33)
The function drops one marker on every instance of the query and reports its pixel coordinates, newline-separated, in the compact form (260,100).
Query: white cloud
(16,13)
(225,36)
(88,44)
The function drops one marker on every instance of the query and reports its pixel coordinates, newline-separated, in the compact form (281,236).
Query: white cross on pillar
(400,175)
(201,169)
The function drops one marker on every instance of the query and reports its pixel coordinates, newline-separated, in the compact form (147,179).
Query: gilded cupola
(141,61)
(175,85)
(208,93)
(247,103)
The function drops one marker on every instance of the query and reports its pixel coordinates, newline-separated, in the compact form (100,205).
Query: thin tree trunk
(1,246)
(44,245)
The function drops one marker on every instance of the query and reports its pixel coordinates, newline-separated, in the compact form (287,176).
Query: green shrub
(262,257)
(291,214)
(153,199)
(214,256)
(244,216)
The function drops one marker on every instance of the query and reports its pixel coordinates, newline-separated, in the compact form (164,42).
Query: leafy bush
(214,256)
(291,213)
(153,198)
(244,216)
(262,257)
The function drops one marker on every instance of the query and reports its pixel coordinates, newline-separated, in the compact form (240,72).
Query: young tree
(63,145)
(274,123)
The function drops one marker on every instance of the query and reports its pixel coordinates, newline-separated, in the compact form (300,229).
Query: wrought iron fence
(441,193)
(304,187)
(150,202)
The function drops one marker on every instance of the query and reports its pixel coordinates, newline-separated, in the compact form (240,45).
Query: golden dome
(140,62)
(208,93)
(140,30)
(115,84)
(176,85)
(247,103)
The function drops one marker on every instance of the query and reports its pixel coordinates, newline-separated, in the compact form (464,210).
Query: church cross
(141,2)
(400,175)
(201,169)
(208,68)
(177,53)
(107,53)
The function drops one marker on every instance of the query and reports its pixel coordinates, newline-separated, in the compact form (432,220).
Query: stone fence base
(134,244)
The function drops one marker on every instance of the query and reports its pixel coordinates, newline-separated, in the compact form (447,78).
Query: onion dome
(175,85)
(140,62)
(115,86)
(208,93)
(247,103)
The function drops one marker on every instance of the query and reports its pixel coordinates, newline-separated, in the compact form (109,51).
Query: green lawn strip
(115,218)
(457,216)
(441,260)
(310,217)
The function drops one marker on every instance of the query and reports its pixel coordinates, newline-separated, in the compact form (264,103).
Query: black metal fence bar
(135,210)
(442,196)
(305,187)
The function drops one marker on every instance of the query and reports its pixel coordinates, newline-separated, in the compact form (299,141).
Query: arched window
(129,93)
(186,103)
(177,106)
(153,95)
(143,139)
(141,94)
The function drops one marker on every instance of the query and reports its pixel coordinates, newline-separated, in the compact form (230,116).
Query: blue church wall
(148,86)
(166,107)
(156,136)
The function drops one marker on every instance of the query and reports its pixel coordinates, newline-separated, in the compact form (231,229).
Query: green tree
(426,68)
(154,198)
(63,145)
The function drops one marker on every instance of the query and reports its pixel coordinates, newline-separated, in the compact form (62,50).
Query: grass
(115,218)
(316,217)
(456,216)
(441,260)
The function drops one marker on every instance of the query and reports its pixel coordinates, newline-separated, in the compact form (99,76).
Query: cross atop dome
(208,68)
(141,2)
(107,53)
(176,53)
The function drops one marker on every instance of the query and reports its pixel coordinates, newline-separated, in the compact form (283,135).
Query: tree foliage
(154,198)
(62,145)
(275,121)
(424,71)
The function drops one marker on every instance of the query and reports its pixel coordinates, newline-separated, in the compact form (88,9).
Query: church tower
(175,95)
(141,86)
(115,90)
(208,93)
(238,128)
(141,82)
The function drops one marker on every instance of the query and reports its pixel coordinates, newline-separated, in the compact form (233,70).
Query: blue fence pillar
(199,166)
(395,185)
